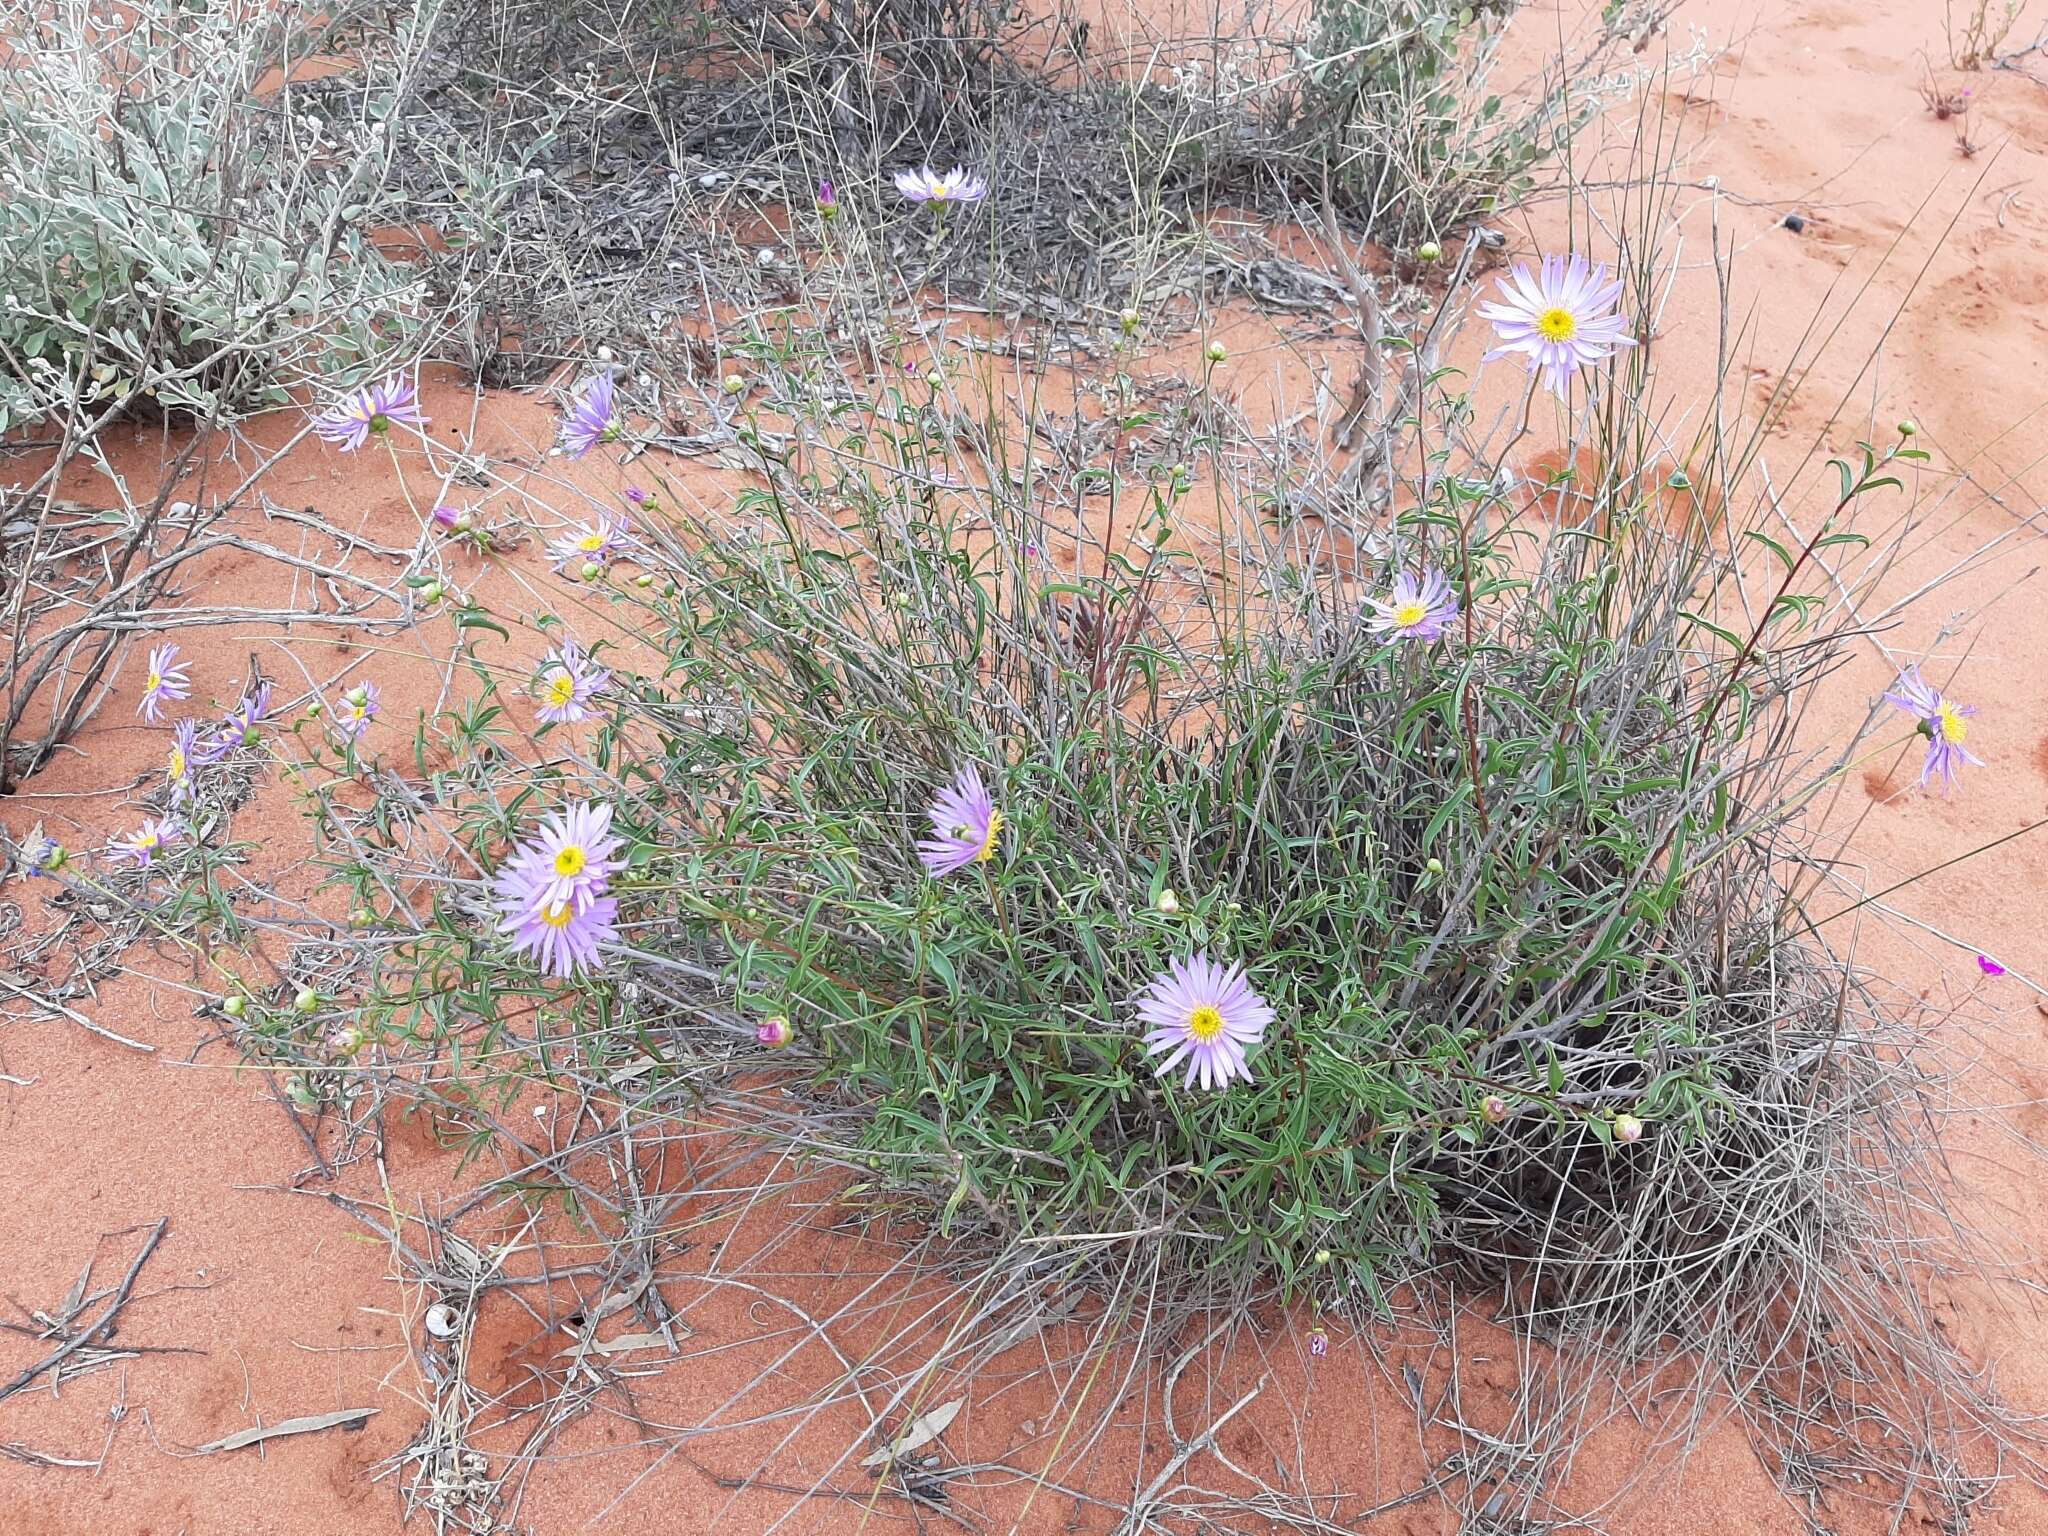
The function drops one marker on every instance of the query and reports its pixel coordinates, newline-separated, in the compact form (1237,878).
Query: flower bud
(1216,352)
(1627,1129)
(1168,902)
(592,570)
(774,1033)
(1495,1109)
(234,1007)
(734,384)
(1909,428)
(307,1000)
(1434,866)
(1128,319)
(1429,250)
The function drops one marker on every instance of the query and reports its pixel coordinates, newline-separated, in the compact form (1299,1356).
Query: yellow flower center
(1205,1024)
(1408,615)
(570,861)
(177,763)
(590,543)
(1557,324)
(145,839)
(561,690)
(156,681)
(988,843)
(558,915)
(1952,726)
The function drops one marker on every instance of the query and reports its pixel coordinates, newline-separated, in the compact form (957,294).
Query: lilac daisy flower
(562,936)
(145,842)
(965,826)
(568,862)
(168,678)
(1206,1015)
(1418,608)
(39,853)
(237,728)
(351,420)
(568,682)
(1561,321)
(178,761)
(924,185)
(591,420)
(1945,726)
(591,545)
(358,707)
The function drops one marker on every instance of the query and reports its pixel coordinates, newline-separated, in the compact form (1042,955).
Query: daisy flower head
(179,760)
(563,936)
(593,418)
(39,853)
(358,707)
(146,841)
(353,419)
(1561,320)
(1945,725)
(591,544)
(965,826)
(1418,608)
(569,861)
(167,679)
(922,184)
(1206,1015)
(568,681)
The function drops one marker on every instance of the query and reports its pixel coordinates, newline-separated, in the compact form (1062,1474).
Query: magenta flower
(568,862)
(563,936)
(591,545)
(828,199)
(1561,321)
(145,842)
(1945,726)
(1989,966)
(592,419)
(168,678)
(358,707)
(568,682)
(923,185)
(351,420)
(179,759)
(965,826)
(1416,609)
(1206,1015)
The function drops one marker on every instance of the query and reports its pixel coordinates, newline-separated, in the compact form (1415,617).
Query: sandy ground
(288,1306)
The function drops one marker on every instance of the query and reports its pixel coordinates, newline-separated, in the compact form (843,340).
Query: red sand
(293,1303)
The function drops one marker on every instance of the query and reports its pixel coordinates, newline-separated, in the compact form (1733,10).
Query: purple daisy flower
(146,841)
(237,728)
(1561,321)
(591,545)
(563,936)
(39,853)
(1945,726)
(179,760)
(591,420)
(1206,1015)
(965,826)
(358,707)
(924,185)
(350,421)
(568,862)
(1418,608)
(168,678)
(568,682)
